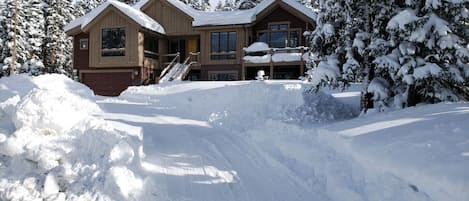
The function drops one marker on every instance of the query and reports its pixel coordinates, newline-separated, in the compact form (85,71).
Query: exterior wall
(206,69)
(80,57)
(133,42)
(279,14)
(174,21)
(110,82)
(205,45)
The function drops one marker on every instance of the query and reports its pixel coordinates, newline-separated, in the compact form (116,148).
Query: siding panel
(113,19)
(174,21)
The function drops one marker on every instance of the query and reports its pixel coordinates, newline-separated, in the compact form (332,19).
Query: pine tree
(327,44)
(2,43)
(35,34)
(404,51)
(219,6)
(442,53)
(202,5)
(246,4)
(130,2)
(22,54)
(57,45)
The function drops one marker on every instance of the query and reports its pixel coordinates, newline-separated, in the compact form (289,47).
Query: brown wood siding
(205,44)
(80,57)
(279,14)
(174,21)
(114,19)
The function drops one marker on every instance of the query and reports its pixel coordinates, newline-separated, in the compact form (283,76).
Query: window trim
(150,53)
(122,49)
(289,30)
(224,55)
(82,40)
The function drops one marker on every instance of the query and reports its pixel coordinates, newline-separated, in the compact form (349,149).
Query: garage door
(107,84)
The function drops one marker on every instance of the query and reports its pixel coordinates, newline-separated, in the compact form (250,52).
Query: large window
(279,35)
(223,45)
(151,46)
(113,42)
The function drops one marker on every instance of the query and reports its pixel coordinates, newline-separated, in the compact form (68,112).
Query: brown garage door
(107,83)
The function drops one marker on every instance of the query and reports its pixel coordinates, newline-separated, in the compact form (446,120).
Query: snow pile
(251,134)
(320,107)
(321,161)
(54,148)
(286,57)
(257,47)
(257,59)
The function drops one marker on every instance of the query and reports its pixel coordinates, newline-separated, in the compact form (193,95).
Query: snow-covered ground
(215,141)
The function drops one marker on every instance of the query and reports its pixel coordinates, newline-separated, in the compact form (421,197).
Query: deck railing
(272,57)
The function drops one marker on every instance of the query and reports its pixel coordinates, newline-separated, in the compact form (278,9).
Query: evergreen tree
(2,43)
(57,45)
(81,7)
(431,51)
(404,51)
(246,4)
(202,5)
(219,6)
(130,2)
(8,24)
(35,34)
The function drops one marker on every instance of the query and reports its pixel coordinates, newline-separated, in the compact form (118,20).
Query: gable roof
(204,18)
(134,14)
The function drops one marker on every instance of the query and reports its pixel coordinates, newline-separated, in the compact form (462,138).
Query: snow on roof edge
(135,14)
(235,17)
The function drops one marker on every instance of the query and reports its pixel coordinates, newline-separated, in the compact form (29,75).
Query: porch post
(271,73)
(302,64)
(243,70)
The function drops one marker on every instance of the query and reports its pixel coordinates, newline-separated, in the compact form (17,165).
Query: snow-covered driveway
(190,159)
(215,141)
(204,141)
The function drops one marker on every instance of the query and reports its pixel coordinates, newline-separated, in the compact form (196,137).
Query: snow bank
(242,105)
(55,148)
(257,47)
(320,160)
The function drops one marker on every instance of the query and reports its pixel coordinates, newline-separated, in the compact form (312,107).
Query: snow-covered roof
(133,13)
(203,18)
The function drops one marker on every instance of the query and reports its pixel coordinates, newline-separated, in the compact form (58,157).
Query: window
(278,39)
(294,37)
(223,45)
(84,44)
(279,36)
(150,44)
(113,42)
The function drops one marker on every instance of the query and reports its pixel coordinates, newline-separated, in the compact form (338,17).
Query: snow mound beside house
(53,147)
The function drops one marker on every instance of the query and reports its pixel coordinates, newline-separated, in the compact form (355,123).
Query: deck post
(302,63)
(271,73)
(243,70)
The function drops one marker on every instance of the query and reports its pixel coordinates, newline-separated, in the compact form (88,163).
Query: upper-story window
(84,44)
(150,44)
(223,45)
(113,42)
(279,35)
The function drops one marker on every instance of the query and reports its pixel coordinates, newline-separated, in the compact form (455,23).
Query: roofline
(278,3)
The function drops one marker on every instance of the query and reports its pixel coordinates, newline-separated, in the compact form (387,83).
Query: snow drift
(54,148)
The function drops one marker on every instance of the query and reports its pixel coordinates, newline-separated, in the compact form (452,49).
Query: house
(117,45)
